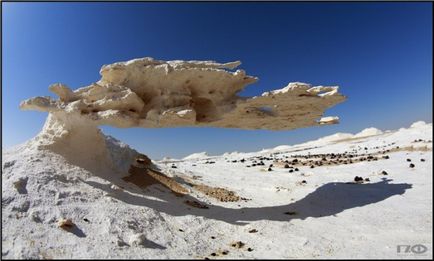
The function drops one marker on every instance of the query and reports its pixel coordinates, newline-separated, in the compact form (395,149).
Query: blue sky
(380,54)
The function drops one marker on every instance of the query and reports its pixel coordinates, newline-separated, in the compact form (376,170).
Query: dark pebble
(357,178)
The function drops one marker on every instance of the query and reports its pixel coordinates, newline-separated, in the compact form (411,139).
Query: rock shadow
(327,200)
(151,244)
(76,231)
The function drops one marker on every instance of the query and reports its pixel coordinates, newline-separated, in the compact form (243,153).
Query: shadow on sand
(327,200)
(76,231)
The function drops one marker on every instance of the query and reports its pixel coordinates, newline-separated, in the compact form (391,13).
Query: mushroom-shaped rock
(151,93)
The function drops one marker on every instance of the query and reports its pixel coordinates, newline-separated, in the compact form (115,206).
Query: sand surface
(216,207)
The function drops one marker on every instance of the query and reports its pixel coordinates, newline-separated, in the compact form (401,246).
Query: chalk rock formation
(150,93)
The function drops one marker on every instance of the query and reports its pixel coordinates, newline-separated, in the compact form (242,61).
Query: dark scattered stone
(238,244)
(212,237)
(181,230)
(270,169)
(303,182)
(384,172)
(250,249)
(412,165)
(358,179)
(312,166)
(253,231)
(213,254)
(174,167)
(87,220)
(422,160)
(225,252)
(286,166)
(296,169)
(367,179)
(290,171)
(408,160)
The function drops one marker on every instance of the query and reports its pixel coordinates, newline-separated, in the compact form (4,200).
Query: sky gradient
(380,54)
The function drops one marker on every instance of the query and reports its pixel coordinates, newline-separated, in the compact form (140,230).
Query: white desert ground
(229,206)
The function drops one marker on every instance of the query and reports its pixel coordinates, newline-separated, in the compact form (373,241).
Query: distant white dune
(419,124)
(199,155)
(368,132)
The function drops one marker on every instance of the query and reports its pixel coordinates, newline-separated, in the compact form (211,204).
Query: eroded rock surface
(151,93)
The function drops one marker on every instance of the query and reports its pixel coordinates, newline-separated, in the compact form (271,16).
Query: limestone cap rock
(152,93)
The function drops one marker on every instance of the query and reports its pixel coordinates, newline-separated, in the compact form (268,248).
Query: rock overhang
(152,93)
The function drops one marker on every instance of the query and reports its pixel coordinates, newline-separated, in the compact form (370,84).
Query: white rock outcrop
(150,93)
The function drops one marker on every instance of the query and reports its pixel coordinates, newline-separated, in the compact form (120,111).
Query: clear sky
(380,54)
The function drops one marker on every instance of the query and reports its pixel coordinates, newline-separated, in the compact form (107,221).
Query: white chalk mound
(199,155)
(418,124)
(368,132)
